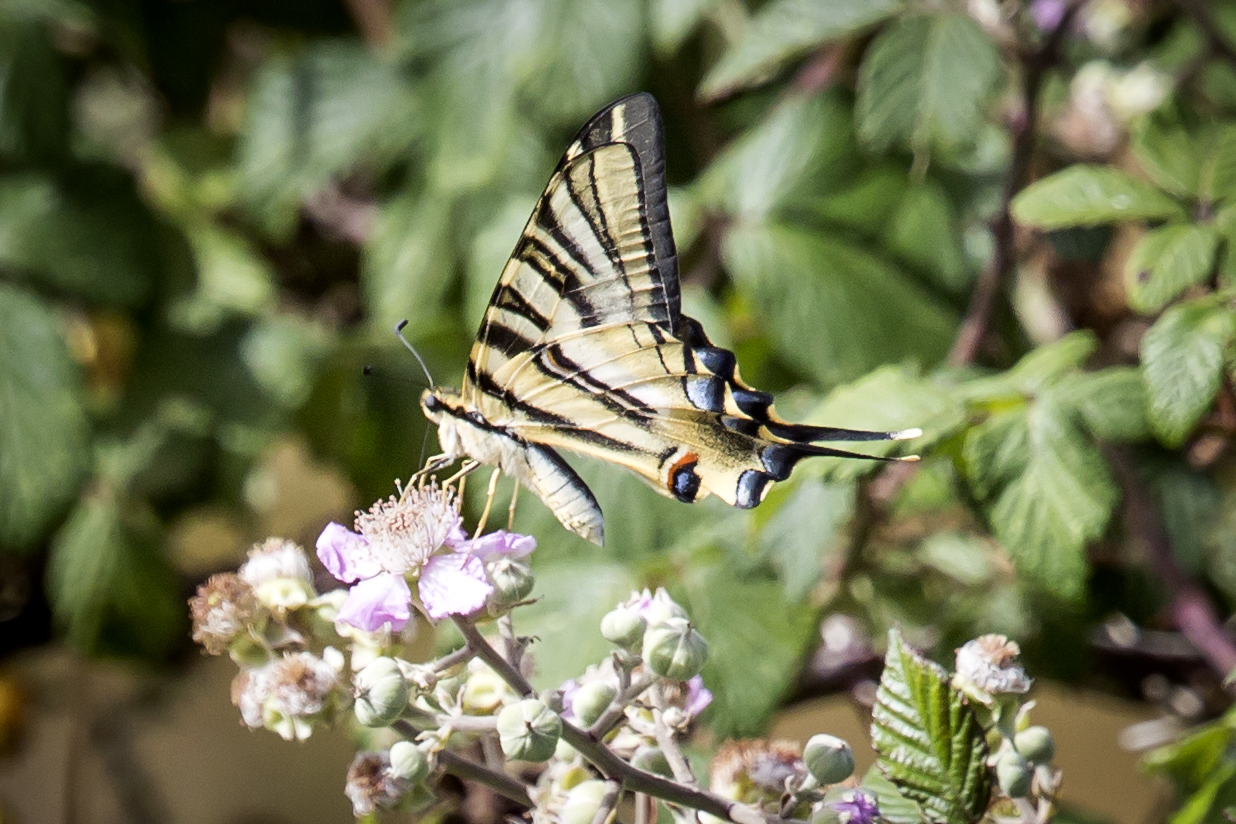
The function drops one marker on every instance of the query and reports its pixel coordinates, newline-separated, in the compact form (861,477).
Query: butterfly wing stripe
(511,300)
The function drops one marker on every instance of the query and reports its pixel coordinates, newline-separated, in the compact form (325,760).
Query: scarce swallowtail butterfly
(583,347)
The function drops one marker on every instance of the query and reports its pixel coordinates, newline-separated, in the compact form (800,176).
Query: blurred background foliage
(1013,225)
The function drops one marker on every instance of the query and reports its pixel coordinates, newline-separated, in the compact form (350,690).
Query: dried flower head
(223,608)
(278,570)
(989,664)
(371,784)
(756,770)
(288,694)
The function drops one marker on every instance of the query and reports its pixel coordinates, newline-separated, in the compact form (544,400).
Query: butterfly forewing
(583,347)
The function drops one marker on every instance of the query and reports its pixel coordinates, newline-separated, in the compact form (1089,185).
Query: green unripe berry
(1036,745)
(408,762)
(528,730)
(829,759)
(1014,774)
(623,627)
(381,693)
(593,699)
(674,649)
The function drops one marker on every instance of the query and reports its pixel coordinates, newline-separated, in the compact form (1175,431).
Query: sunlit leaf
(1084,195)
(929,742)
(1112,402)
(1183,356)
(43,429)
(895,808)
(1218,170)
(840,311)
(924,82)
(1166,261)
(784,30)
(924,231)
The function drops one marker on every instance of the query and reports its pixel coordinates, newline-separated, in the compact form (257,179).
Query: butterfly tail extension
(778,461)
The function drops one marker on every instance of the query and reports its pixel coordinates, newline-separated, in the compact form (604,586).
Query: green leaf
(1190,761)
(758,640)
(491,249)
(760,170)
(1083,195)
(1183,356)
(83,565)
(232,279)
(1039,368)
(1169,155)
(1112,402)
(673,21)
(800,536)
(34,91)
(43,429)
(924,231)
(408,266)
(924,82)
(327,109)
(1212,801)
(928,741)
(864,205)
(784,30)
(1218,171)
(1062,499)
(840,311)
(895,808)
(1167,261)
(997,451)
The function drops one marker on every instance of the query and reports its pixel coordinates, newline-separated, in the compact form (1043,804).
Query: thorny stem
(603,759)
(1190,608)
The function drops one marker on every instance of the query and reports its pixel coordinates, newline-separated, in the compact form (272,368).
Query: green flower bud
(381,693)
(528,730)
(662,607)
(651,759)
(592,699)
(513,581)
(674,649)
(829,759)
(1013,774)
(582,802)
(408,762)
(623,627)
(1035,745)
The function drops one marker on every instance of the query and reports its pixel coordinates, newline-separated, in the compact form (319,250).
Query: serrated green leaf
(758,172)
(84,559)
(997,451)
(840,311)
(758,639)
(924,82)
(43,429)
(408,265)
(1169,155)
(784,30)
(1167,261)
(1037,369)
(1083,195)
(866,204)
(924,231)
(1183,356)
(1112,402)
(1061,501)
(1218,171)
(311,115)
(929,743)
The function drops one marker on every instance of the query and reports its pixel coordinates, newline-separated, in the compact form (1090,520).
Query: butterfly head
(436,401)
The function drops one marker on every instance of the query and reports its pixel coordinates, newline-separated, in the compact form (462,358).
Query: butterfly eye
(431,403)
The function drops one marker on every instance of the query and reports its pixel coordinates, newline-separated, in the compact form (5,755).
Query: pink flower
(859,807)
(698,697)
(417,535)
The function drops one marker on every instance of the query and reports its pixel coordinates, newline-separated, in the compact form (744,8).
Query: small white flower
(989,663)
(278,570)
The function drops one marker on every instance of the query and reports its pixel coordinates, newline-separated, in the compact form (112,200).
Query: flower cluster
(307,658)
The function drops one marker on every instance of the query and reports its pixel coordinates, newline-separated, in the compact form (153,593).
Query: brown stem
(373,20)
(995,275)
(499,782)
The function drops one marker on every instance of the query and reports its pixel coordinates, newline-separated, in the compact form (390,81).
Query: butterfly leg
(431,466)
(467,468)
(489,502)
(510,513)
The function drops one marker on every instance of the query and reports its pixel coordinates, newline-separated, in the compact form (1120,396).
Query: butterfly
(584,347)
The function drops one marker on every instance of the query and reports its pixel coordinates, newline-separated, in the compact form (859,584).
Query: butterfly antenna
(399,334)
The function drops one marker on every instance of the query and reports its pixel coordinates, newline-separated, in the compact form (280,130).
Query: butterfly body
(584,347)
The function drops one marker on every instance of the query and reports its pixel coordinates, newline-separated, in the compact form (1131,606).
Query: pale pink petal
(698,697)
(453,584)
(345,554)
(382,599)
(499,543)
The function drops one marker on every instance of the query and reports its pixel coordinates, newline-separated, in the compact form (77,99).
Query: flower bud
(483,690)
(623,627)
(528,730)
(1035,745)
(582,802)
(651,759)
(661,606)
(829,759)
(674,649)
(593,699)
(408,762)
(1013,774)
(381,693)
(513,581)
